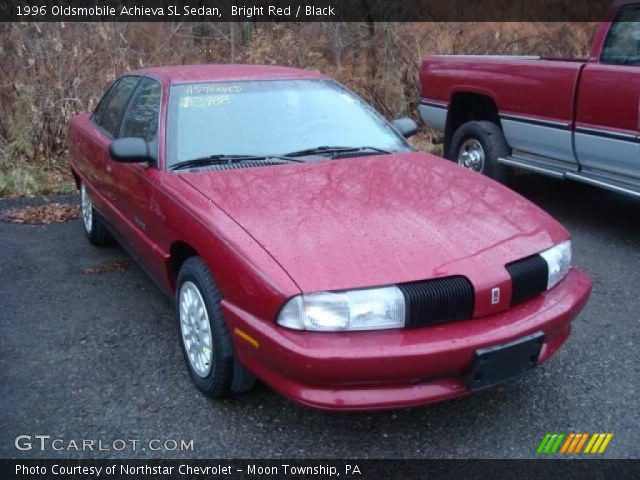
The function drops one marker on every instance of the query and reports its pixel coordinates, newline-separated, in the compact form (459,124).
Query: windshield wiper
(216,160)
(220,159)
(329,149)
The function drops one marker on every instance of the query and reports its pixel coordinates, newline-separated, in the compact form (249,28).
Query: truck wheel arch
(467,106)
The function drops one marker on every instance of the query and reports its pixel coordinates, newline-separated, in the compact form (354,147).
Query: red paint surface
(381,220)
(270,233)
(516,86)
(563,90)
(231,72)
(399,368)
(620,86)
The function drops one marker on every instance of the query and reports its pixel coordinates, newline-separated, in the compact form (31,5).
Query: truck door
(607,118)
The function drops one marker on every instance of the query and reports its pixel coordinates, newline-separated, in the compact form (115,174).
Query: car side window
(118,100)
(141,117)
(622,45)
(99,111)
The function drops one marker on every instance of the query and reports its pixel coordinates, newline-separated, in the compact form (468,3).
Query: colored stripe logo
(574,443)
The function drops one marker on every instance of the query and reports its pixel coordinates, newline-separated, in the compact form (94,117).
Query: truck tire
(204,338)
(477,145)
(94,226)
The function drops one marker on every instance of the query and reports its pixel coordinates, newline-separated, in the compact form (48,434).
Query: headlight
(369,309)
(558,260)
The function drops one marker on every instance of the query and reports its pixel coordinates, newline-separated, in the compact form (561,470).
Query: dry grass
(51,71)
(24,178)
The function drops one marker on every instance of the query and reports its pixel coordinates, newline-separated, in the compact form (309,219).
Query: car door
(91,149)
(607,117)
(106,122)
(133,187)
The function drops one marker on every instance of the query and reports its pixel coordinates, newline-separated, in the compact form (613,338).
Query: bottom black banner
(319,469)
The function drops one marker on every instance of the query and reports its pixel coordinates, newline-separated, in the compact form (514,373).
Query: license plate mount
(501,363)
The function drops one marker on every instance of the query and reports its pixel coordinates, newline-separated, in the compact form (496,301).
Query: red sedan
(307,244)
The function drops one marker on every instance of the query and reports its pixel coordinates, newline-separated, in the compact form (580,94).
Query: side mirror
(405,126)
(129,150)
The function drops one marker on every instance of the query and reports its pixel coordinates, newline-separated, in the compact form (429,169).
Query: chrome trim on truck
(434,103)
(536,121)
(523,164)
(540,165)
(625,137)
(599,183)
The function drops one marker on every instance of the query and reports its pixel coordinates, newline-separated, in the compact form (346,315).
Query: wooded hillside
(51,71)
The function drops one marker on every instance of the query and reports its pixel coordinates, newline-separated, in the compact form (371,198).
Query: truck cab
(576,119)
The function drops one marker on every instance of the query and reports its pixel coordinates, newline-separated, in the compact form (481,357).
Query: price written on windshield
(204,101)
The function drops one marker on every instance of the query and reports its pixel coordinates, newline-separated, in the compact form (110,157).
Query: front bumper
(397,368)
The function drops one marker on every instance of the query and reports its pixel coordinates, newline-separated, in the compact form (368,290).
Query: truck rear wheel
(477,146)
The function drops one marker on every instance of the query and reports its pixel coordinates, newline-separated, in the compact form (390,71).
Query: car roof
(175,74)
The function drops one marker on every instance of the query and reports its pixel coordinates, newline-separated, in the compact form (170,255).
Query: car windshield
(270,118)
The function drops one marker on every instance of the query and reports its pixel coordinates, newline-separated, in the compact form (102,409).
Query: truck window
(622,45)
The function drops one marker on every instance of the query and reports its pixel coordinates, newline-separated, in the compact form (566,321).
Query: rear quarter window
(99,111)
(141,118)
(117,102)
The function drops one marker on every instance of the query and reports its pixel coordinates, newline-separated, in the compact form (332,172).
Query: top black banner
(303,10)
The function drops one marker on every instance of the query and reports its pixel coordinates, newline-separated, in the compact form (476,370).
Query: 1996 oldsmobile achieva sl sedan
(307,244)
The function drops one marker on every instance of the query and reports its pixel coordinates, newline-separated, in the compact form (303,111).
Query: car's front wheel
(206,345)
(477,146)
(94,226)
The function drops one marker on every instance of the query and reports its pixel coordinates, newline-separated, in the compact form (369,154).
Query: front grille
(528,278)
(436,301)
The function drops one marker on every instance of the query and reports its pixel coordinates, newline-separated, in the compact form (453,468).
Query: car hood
(381,219)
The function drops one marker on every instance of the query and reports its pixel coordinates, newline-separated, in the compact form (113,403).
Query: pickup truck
(574,119)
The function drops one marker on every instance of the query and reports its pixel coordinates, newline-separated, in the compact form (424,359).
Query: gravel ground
(96,356)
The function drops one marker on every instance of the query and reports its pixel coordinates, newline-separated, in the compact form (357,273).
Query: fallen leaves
(107,267)
(42,214)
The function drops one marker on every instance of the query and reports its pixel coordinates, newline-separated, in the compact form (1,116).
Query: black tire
(227,375)
(96,231)
(490,136)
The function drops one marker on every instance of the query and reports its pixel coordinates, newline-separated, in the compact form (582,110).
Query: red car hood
(381,219)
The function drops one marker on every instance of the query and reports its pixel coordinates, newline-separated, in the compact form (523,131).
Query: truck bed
(522,82)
